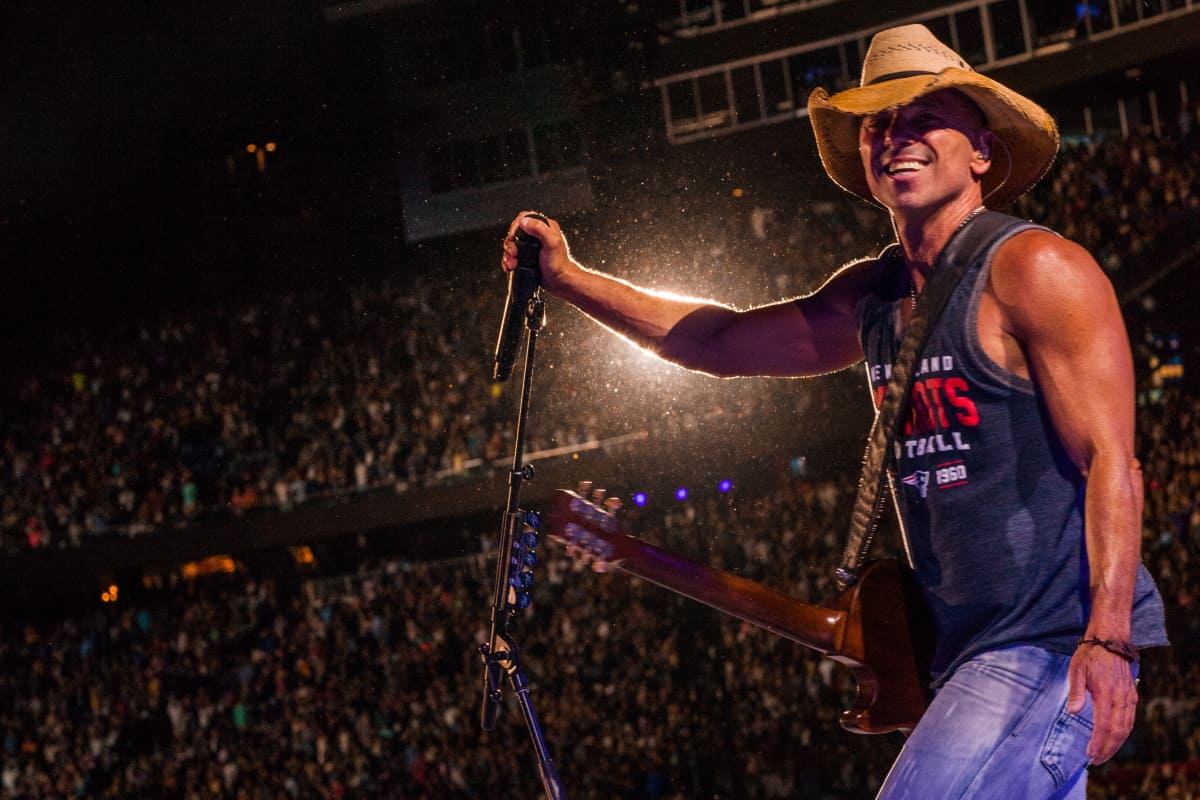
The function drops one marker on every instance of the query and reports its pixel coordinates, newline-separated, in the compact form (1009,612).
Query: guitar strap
(966,246)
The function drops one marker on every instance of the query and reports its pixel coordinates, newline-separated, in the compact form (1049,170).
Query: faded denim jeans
(998,728)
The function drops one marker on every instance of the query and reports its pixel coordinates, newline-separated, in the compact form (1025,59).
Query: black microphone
(522,283)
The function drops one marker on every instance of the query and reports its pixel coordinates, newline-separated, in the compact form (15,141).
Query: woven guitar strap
(966,246)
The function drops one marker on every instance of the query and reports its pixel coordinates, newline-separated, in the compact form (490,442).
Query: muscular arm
(807,336)
(1062,311)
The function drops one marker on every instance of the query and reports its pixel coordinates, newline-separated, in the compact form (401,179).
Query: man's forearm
(1113,511)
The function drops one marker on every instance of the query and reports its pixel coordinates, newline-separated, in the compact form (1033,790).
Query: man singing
(1025,386)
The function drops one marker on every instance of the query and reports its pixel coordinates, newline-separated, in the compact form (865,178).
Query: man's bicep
(802,337)
(811,335)
(777,340)
(1069,323)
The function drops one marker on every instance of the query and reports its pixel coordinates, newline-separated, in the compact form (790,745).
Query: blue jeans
(998,728)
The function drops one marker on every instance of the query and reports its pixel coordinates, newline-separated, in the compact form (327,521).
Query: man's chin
(900,202)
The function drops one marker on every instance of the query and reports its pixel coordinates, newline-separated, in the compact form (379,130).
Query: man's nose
(893,131)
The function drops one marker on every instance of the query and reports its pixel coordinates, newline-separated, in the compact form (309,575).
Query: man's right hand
(555,259)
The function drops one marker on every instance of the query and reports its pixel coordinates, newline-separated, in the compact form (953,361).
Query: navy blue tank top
(990,504)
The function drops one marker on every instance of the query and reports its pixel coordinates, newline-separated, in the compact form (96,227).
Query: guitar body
(878,627)
(887,644)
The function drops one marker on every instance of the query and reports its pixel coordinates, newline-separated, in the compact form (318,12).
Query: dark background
(118,126)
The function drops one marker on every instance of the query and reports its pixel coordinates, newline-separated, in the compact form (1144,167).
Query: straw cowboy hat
(908,62)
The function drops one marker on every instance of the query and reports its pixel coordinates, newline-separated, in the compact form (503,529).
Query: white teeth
(903,166)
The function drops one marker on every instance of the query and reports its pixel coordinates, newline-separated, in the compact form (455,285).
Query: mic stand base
(506,658)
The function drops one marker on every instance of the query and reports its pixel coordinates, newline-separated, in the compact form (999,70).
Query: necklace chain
(912,285)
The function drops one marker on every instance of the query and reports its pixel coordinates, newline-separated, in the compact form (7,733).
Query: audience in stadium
(274,401)
(368,684)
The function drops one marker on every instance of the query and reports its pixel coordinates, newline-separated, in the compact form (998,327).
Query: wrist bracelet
(1117,647)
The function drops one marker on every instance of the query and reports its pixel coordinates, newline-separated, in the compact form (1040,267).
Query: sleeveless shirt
(990,503)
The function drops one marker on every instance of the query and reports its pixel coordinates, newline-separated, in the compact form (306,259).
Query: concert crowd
(387,384)
(368,685)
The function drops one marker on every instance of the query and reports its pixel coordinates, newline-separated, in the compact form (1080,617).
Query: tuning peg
(533,519)
(613,504)
(584,488)
(526,558)
(598,496)
(521,581)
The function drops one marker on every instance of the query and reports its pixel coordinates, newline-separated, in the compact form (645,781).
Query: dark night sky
(118,121)
(95,92)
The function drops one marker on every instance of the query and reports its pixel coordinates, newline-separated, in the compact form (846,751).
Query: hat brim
(1027,134)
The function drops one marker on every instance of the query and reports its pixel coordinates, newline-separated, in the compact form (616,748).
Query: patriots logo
(919,479)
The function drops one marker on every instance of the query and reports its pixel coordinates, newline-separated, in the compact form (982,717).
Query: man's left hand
(1108,678)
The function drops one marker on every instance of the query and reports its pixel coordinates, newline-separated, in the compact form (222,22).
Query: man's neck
(923,237)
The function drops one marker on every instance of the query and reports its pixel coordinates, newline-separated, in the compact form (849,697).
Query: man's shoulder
(865,276)
(1039,279)
(1038,256)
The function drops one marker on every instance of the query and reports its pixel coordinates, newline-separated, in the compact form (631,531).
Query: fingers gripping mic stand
(516,559)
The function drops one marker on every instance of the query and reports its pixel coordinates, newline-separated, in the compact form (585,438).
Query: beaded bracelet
(1117,647)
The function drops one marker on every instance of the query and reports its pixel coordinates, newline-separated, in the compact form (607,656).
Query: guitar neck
(815,627)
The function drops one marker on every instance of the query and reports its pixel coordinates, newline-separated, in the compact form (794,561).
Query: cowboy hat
(908,62)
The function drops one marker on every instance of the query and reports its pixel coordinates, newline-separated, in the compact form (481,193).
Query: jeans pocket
(1064,754)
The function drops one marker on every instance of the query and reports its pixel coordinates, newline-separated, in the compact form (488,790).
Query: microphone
(522,283)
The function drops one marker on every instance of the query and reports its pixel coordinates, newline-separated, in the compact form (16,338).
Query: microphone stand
(514,579)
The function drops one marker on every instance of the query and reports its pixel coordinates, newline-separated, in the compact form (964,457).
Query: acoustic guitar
(878,627)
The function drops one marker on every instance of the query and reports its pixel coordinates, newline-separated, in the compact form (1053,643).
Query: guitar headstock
(586,522)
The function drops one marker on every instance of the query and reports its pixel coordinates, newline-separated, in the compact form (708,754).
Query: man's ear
(983,152)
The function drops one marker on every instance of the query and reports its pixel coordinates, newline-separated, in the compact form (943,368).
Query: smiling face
(926,154)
